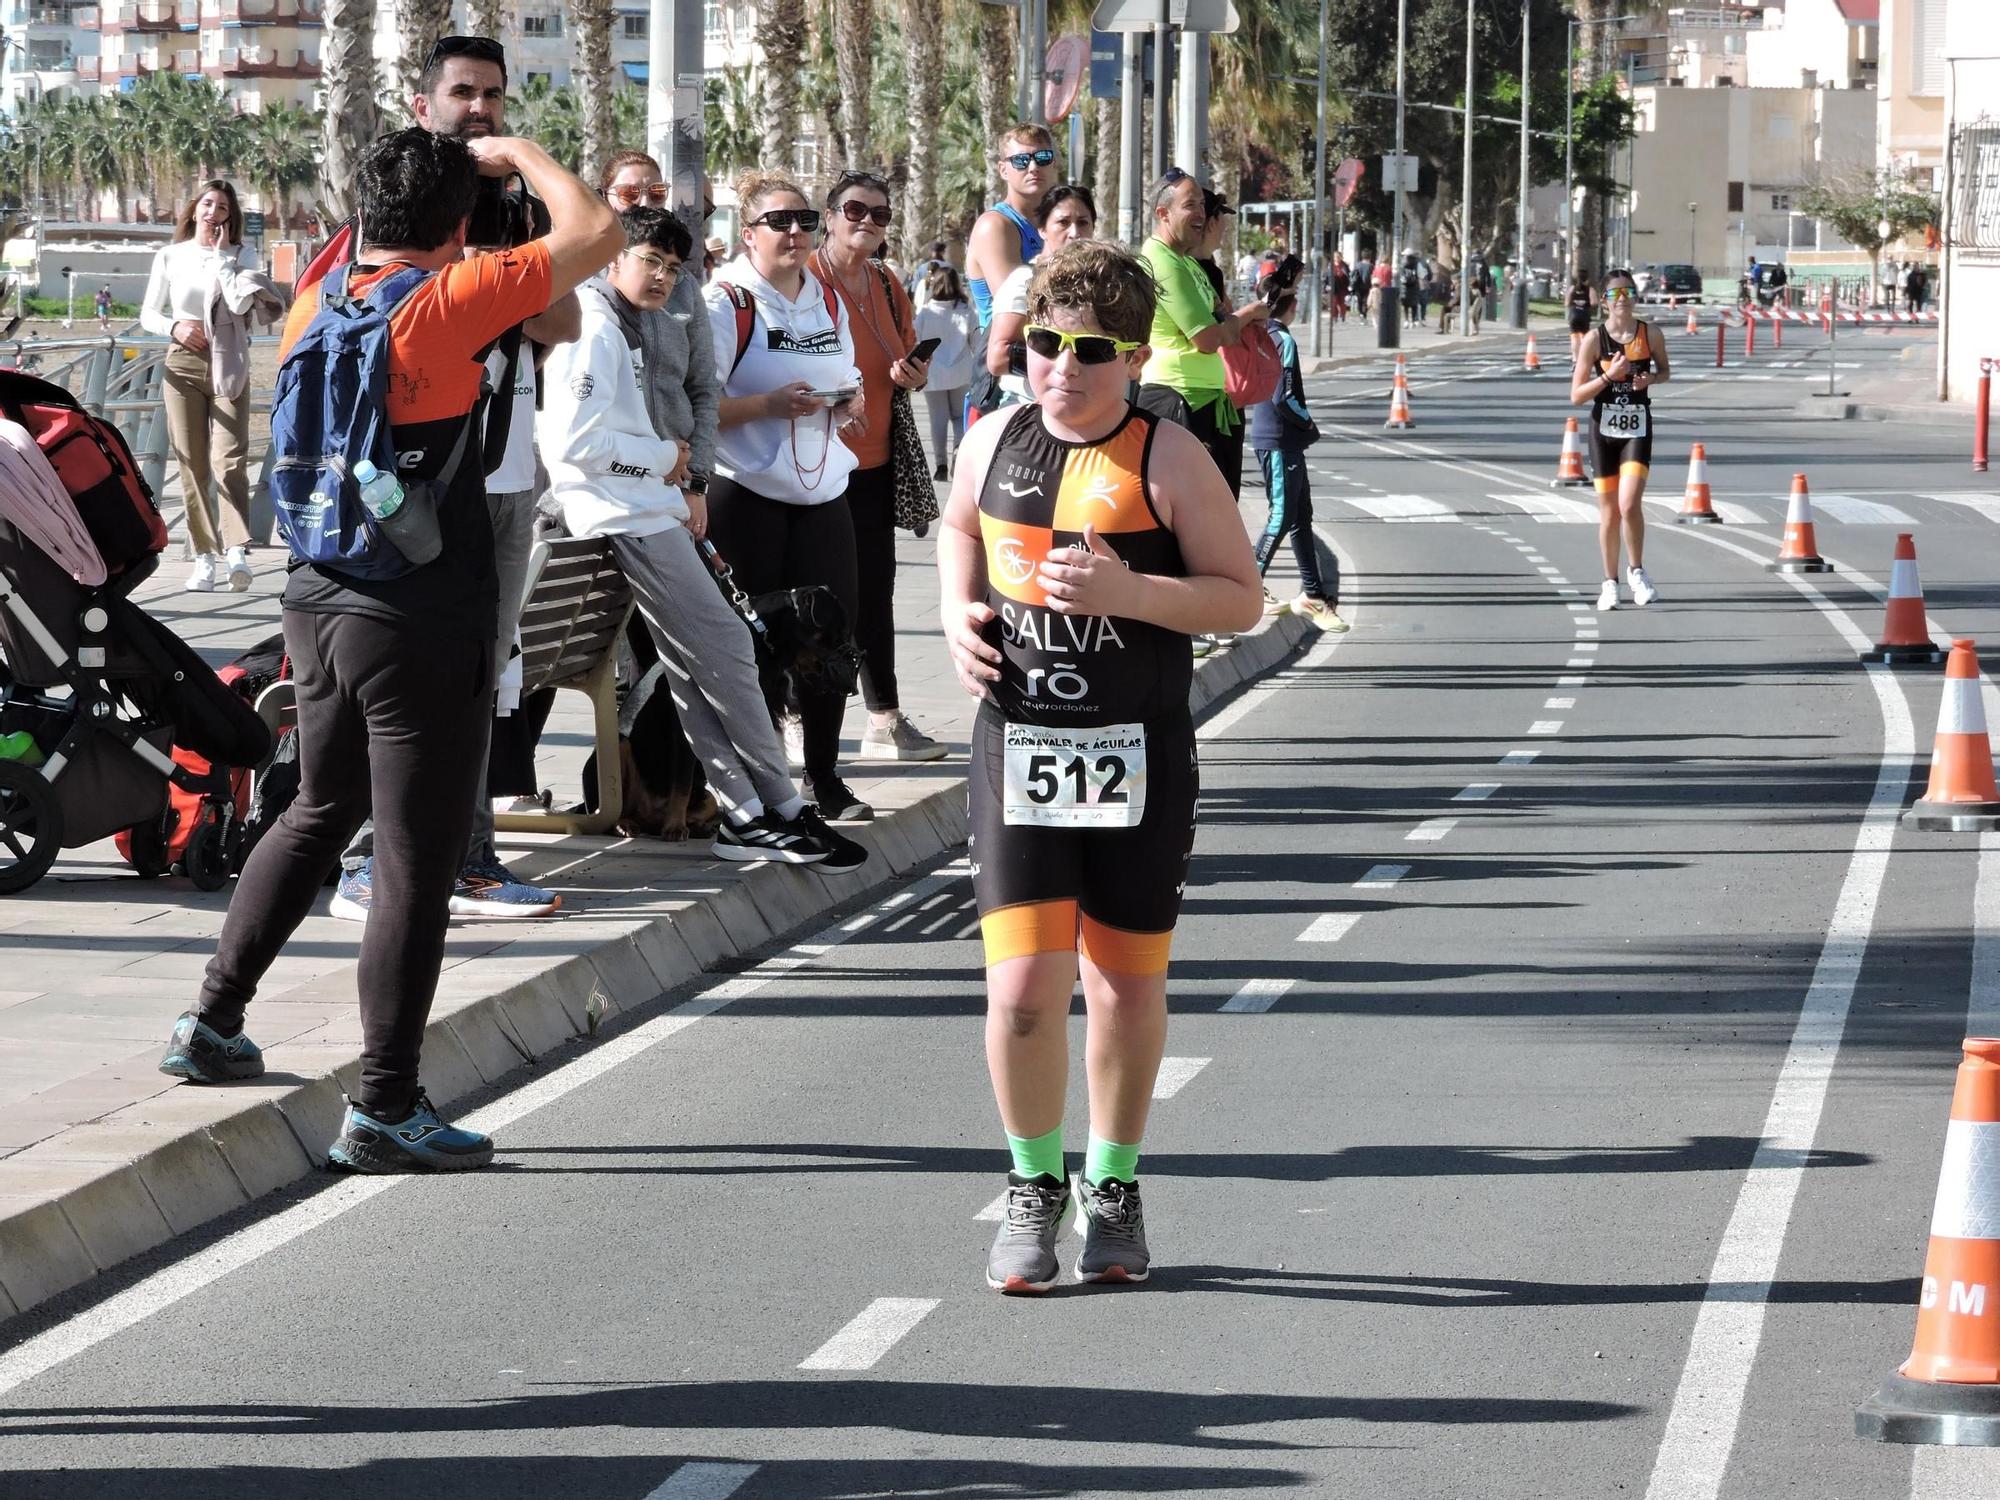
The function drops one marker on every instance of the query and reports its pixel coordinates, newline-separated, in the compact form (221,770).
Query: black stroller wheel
(206,859)
(30,827)
(149,850)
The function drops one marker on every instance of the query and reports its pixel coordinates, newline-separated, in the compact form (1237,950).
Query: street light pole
(1402,31)
(1569,155)
(1318,259)
(1693,259)
(1388,314)
(1519,298)
(1465,194)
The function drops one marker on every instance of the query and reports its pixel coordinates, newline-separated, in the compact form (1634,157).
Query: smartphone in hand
(925,350)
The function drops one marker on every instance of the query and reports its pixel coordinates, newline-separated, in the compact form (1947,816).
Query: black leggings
(871,500)
(772,545)
(393,716)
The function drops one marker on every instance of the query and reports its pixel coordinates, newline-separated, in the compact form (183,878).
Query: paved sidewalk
(102,1157)
(1353,342)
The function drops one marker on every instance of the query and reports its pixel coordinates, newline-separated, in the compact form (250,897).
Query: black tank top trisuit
(1638,351)
(1072,670)
(1579,301)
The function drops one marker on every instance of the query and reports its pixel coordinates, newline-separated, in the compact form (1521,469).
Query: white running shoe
(1607,597)
(202,580)
(1643,592)
(239,568)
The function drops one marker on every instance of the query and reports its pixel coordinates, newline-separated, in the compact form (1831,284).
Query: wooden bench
(577,603)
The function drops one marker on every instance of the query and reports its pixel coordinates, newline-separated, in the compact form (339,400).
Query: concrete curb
(98,1194)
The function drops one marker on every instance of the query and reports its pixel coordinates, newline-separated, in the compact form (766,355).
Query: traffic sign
(1107,62)
(1187,15)
(253,224)
(1399,173)
(1063,75)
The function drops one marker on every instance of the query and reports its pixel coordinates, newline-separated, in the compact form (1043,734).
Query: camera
(504,215)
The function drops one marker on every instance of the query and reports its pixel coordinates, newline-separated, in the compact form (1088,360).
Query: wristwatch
(696,483)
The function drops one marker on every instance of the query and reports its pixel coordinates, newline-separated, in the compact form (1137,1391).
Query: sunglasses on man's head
(785,220)
(478,48)
(854,212)
(1089,348)
(1020,161)
(631,197)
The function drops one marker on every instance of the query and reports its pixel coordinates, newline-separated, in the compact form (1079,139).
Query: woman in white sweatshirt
(777,504)
(210,435)
(617,472)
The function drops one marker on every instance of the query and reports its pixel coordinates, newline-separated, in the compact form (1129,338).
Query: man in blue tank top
(1005,235)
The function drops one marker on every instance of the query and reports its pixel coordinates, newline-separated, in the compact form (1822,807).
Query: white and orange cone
(1569,468)
(1531,362)
(1695,502)
(1906,642)
(1961,796)
(1800,552)
(1948,1390)
(1399,401)
(1693,325)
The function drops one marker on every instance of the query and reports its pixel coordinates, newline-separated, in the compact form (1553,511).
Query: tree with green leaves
(1870,210)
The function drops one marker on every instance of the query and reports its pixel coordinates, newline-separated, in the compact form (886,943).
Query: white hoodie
(777,457)
(605,461)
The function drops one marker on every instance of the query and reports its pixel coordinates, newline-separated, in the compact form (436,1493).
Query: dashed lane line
(1519,757)
(1560,703)
(1254,998)
(1175,1074)
(1380,877)
(1546,726)
(1572,681)
(704,1481)
(1580,661)
(1430,830)
(1479,791)
(1329,927)
(870,1334)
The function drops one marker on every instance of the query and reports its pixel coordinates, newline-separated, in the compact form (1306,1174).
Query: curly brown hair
(1101,278)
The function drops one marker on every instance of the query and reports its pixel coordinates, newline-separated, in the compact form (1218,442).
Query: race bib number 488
(1623,422)
(1075,778)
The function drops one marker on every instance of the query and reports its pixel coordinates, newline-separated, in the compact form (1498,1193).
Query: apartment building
(1816,44)
(1909,95)
(1969,148)
(44,52)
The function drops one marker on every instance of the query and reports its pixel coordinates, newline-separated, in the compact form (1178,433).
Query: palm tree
(781,37)
(590,26)
(284,155)
(997,61)
(486,17)
(923,40)
(854,58)
(419,23)
(347,65)
(734,134)
(100,160)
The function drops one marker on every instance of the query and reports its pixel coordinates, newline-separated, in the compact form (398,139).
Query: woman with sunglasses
(1084,543)
(791,397)
(883,325)
(1068,214)
(1618,363)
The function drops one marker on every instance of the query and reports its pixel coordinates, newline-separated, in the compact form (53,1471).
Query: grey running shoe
(1114,1233)
(1023,1258)
(199,1053)
(899,739)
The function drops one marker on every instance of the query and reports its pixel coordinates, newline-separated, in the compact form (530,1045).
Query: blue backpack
(329,412)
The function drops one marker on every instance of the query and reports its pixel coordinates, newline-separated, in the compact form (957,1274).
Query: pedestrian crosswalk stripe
(1479,791)
(1560,703)
(1175,1074)
(1986,505)
(872,1333)
(1562,509)
(1858,512)
(1430,830)
(1402,507)
(1732,513)
(1378,877)
(1546,726)
(704,1481)
(1331,927)
(1256,996)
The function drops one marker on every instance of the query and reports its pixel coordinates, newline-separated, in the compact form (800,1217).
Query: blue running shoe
(421,1143)
(201,1054)
(356,890)
(486,889)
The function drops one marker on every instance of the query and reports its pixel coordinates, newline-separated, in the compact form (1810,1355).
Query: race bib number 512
(1075,778)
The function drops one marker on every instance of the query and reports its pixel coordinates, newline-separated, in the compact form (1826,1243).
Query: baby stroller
(94,692)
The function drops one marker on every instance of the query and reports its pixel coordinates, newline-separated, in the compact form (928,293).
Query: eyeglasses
(478,48)
(785,220)
(854,212)
(658,269)
(631,197)
(1021,160)
(1617,293)
(1089,348)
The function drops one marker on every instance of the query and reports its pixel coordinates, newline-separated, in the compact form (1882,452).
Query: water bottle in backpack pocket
(330,433)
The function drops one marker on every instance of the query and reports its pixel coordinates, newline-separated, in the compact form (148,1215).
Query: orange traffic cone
(1961,797)
(1531,363)
(1399,400)
(1800,552)
(1695,505)
(1569,468)
(1948,1390)
(1905,641)
(1693,326)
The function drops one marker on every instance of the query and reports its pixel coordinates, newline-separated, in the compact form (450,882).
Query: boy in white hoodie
(616,475)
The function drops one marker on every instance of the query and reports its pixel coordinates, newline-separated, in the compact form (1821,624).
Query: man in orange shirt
(395,676)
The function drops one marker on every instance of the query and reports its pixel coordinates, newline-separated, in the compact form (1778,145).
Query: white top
(956,326)
(606,463)
(799,461)
(1013,298)
(517,465)
(182,284)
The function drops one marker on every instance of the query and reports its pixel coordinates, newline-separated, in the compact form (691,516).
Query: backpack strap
(746,319)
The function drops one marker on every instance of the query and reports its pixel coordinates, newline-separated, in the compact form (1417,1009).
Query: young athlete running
(1084,543)
(1616,365)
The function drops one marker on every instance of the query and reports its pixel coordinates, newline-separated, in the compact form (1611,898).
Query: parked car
(1673,284)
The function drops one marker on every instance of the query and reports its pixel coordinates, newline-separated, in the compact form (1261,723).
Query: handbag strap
(726,576)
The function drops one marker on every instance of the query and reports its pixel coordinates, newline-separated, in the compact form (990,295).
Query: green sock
(1104,1159)
(1041,1156)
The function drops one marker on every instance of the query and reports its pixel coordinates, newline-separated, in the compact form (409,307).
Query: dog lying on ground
(666,791)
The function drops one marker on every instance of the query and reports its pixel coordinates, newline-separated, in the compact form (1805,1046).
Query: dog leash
(726,576)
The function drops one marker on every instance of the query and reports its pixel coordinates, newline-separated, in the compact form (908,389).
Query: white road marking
(1580,661)
(1401,507)
(1380,877)
(1256,997)
(1858,512)
(704,1481)
(1985,504)
(183,1278)
(994,1212)
(1536,557)
(1546,726)
(1330,927)
(1731,513)
(1573,681)
(1560,509)
(1560,703)
(1518,757)
(1583,646)
(1565,589)
(1430,830)
(1578,609)
(1550,572)
(1479,791)
(1175,1074)
(874,1331)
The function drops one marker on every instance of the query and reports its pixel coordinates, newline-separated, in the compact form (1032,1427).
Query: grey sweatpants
(711,668)
(513,518)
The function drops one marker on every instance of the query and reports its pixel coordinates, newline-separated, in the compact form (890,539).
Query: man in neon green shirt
(1182,381)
